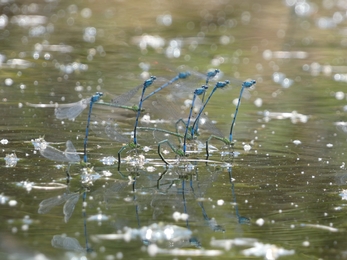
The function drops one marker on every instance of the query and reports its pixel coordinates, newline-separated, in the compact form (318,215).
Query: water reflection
(69,199)
(67,243)
(170,196)
(241,219)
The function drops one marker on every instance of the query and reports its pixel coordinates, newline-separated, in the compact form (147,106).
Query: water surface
(284,198)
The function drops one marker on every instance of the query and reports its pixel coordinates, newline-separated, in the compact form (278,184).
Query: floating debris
(3,199)
(137,160)
(294,116)
(107,173)
(17,63)
(160,232)
(227,244)
(3,141)
(155,233)
(29,20)
(12,203)
(26,185)
(154,250)
(153,41)
(296,142)
(247,147)
(343,194)
(179,216)
(260,222)
(39,143)
(268,251)
(331,229)
(258,102)
(341,126)
(11,160)
(109,160)
(49,186)
(88,176)
(58,48)
(98,217)
(268,54)
(151,169)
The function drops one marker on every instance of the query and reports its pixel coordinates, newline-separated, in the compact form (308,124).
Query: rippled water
(279,195)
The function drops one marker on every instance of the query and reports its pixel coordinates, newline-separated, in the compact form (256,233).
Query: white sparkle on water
(260,222)
(4,141)
(247,147)
(296,142)
(12,203)
(306,243)
(220,202)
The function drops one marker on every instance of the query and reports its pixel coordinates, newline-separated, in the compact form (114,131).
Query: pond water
(277,193)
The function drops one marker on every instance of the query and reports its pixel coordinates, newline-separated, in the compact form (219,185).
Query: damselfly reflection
(68,199)
(69,156)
